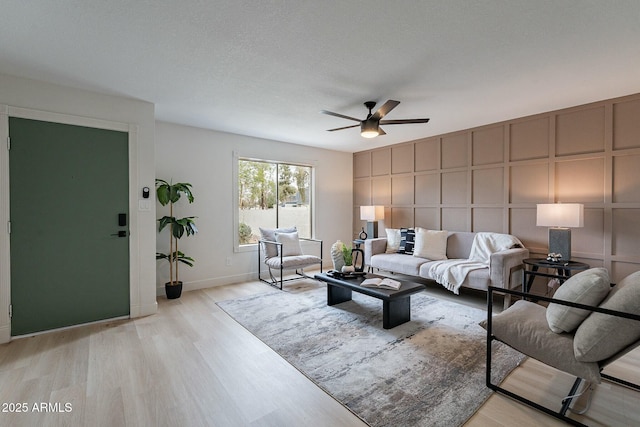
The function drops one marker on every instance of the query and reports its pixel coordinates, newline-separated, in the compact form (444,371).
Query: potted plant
(169,194)
(348,259)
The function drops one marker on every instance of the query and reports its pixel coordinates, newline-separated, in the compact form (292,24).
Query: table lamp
(560,217)
(372,214)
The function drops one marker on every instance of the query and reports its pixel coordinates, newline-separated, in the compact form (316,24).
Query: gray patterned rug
(427,372)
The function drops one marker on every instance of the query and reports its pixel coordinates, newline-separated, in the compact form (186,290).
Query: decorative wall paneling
(490,178)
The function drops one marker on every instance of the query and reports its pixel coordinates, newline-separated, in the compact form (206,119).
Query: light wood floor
(192,365)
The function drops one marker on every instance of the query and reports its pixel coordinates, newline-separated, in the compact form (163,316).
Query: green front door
(69,200)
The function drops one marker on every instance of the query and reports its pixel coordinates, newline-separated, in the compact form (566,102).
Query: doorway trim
(7,111)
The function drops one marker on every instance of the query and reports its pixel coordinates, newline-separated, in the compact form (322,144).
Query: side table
(563,270)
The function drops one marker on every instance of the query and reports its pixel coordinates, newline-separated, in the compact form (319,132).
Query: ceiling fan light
(369,129)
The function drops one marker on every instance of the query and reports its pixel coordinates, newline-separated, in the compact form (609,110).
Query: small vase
(348,269)
(336,255)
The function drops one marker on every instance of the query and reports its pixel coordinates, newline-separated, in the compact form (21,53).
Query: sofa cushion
(407,238)
(476,279)
(523,326)
(291,262)
(398,263)
(588,287)
(459,244)
(431,244)
(601,335)
(393,240)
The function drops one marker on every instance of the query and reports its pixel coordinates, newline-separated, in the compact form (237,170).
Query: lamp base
(560,242)
(372,229)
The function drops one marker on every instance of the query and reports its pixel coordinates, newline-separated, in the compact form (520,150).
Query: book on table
(379,282)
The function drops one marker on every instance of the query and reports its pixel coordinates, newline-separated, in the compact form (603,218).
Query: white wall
(55,102)
(205,159)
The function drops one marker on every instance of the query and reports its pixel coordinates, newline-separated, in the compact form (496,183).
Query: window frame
(252,247)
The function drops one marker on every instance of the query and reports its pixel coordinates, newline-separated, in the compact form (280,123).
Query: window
(272,195)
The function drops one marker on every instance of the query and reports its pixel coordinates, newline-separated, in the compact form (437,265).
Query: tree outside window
(272,195)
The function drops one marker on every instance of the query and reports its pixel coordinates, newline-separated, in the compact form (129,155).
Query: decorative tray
(351,275)
(554,263)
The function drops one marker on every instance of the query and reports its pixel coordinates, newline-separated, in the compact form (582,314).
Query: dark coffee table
(396,305)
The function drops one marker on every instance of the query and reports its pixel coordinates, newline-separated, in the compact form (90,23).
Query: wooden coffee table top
(407,288)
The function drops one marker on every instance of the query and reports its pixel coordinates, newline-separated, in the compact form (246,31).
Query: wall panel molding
(490,178)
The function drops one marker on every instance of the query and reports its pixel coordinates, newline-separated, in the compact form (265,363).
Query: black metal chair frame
(278,282)
(566,402)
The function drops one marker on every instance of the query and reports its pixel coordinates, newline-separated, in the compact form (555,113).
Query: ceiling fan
(370,127)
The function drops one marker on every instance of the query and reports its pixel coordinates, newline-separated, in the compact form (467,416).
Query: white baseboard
(227,280)
(143,310)
(210,283)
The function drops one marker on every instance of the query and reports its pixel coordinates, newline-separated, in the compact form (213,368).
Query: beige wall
(490,178)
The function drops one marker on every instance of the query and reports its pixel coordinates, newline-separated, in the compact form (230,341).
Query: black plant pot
(173,291)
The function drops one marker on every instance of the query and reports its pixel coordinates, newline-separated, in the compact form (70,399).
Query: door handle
(121,233)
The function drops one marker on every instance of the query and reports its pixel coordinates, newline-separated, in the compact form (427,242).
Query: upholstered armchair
(586,326)
(280,250)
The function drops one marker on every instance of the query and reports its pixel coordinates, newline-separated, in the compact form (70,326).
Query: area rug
(429,371)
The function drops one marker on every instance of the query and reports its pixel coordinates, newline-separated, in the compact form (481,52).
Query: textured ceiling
(266,68)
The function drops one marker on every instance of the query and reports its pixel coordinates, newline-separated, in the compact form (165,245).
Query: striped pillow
(407,238)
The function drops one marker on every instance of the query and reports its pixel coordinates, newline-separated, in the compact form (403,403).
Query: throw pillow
(588,287)
(268,234)
(290,244)
(431,244)
(393,240)
(407,237)
(601,336)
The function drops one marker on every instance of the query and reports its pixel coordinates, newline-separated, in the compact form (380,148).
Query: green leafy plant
(347,255)
(245,233)
(169,194)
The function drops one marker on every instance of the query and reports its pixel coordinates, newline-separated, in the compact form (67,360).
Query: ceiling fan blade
(346,127)
(331,113)
(380,131)
(402,121)
(384,110)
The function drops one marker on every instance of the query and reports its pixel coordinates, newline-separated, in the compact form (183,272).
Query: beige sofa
(503,269)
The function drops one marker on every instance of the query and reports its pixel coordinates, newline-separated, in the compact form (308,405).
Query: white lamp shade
(371,213)
(560,215)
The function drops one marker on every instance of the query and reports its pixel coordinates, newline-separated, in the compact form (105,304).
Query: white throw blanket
(453,272)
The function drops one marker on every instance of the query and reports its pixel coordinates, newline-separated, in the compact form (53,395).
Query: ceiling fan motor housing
(369,127)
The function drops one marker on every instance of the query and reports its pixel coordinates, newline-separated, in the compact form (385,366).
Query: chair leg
(587,393)
(621,382)
(566,402)
(559,415)
(278,282)
(274,280)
